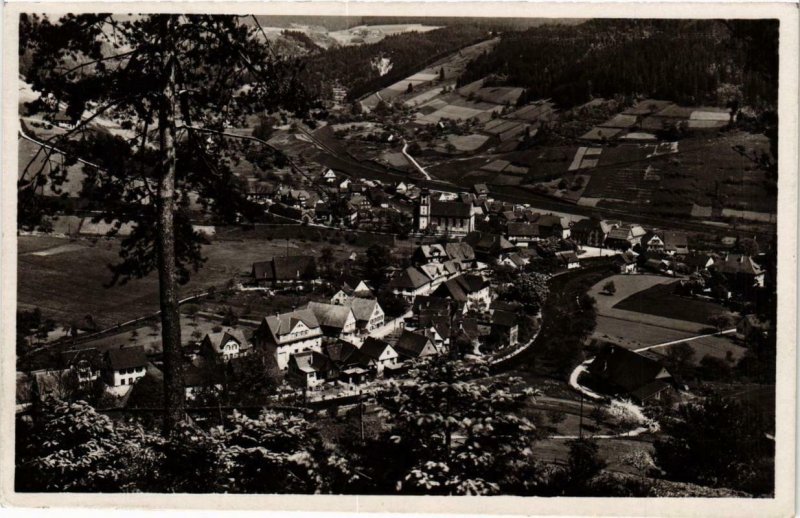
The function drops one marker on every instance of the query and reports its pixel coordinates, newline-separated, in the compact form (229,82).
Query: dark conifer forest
(685,61)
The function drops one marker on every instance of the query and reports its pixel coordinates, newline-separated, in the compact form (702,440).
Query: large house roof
(362,308)
(411,344)
(587,225)
(568,256)
(698,260)
(459,287)
(283,268)
(283,324)
(622,233)
(339,350)
(523,229)
(450,209)
(486,242)
(549,220)
(348,282)
(504,318)
(431,251)
(459,252)
(374,348)
(217,339)
(126,357)
(91,355)
(675,240)
(433,270)
(431,303)
(410,278)
(330,315)
(310,361)
(627,369)
(738,264)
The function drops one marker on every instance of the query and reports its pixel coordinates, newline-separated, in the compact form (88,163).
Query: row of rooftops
(317,314)
(726,264)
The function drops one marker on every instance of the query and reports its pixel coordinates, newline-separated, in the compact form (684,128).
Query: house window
(122,382)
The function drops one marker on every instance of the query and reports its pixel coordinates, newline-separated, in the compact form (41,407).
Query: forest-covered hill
(409,52)
(687,61)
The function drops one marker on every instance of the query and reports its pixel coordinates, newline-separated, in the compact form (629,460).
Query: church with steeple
(454,218)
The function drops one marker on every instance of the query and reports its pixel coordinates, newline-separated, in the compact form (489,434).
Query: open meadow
(71,284)
(643,312)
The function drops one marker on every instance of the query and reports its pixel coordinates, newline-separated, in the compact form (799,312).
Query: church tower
(424,210)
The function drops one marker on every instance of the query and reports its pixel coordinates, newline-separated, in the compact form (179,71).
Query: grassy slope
(70,285)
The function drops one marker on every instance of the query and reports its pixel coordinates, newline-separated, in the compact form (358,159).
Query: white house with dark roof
(289,333)
(384,355)
(124,366)
(410,282)
(350,286)
(569,259)
(225,344)
(521,233)
(741,270)
(310,369)
(468,291)
(676,242)
(375,356)
(368,313)
(415,345)
(328,176)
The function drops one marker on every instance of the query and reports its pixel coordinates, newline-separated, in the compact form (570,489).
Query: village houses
(289,333)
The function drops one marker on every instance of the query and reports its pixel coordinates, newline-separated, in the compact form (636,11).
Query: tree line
(455,432)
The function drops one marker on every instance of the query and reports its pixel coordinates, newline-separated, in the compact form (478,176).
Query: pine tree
(173,83)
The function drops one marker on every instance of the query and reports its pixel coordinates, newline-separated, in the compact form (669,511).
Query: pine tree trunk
(174,396)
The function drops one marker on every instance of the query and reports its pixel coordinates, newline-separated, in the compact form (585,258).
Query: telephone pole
(361,415)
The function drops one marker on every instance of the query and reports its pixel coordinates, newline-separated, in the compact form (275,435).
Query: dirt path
(414,162)
(683,340)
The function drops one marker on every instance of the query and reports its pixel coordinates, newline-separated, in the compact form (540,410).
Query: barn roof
(627,369)
(283,268)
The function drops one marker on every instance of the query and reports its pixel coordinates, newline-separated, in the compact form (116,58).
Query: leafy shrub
(625,414)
